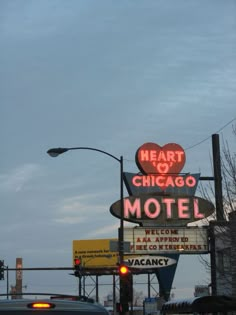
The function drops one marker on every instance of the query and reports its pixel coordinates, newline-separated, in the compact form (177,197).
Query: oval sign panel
(171,209)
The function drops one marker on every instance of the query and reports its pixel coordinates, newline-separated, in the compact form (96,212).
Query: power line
(198,143)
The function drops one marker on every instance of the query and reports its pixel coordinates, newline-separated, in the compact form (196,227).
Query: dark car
(200,305)
(55,305)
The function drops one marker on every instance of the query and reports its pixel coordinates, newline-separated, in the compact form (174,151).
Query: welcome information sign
(151,241)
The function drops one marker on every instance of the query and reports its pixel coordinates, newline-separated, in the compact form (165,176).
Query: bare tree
(229,177)
(222,230)
(138,298)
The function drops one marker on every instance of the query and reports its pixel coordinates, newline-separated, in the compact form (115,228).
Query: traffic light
(78,268)
(126,286)
(123,270)
(1,269)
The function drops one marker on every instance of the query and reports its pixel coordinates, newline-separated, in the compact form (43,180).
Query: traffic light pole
(80,287)
(126,288)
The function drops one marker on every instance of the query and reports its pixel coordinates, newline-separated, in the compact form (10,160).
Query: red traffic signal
(78,268)
(123,270)
(77,261)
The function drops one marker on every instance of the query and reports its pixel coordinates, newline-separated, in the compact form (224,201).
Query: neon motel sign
(153,207)
(154,159)
(161,167)
(163,209)
(164,181)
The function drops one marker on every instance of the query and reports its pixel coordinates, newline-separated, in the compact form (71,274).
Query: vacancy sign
(145,262)
(181,240)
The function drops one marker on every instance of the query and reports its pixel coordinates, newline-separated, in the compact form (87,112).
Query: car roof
(56,304)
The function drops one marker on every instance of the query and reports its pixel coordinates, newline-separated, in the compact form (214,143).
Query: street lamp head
(56,151)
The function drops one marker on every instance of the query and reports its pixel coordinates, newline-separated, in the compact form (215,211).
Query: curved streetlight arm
(54,152)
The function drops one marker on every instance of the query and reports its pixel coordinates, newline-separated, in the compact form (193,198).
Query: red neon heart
(154,159)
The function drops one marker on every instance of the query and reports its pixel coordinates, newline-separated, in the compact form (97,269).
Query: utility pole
(219,208)
(217,178)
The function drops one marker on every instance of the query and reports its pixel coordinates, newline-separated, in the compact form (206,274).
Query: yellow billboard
(95,253)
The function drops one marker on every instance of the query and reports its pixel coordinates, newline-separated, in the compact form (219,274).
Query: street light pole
(54,152)
(121,231)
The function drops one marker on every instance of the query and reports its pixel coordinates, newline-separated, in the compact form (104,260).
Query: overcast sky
(110,75)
